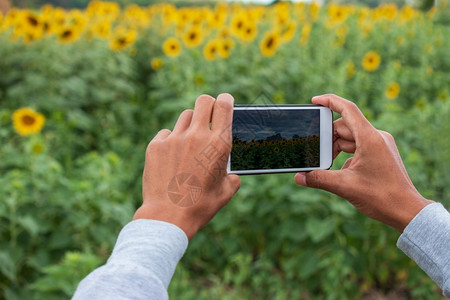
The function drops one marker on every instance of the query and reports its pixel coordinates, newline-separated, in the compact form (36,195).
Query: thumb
(329,180)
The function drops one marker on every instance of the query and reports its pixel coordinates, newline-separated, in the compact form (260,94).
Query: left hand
(185,181)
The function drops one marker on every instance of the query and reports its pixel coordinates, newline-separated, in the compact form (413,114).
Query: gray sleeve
(141,265)
(426,240)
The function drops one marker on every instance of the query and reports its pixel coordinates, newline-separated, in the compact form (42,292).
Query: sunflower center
(28,120)
(122,41)
(33,21)
(192,36)
(270,43)
(66,34)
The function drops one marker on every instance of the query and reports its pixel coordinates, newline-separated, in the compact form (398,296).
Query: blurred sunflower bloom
(122,39)
(156,63)
(211,50)
(238,24)
(68,34)
(270,43)
(306,31)
(248,32)
(26,121)
(351,69)
(225,47)
(172,47)
(392,90)
(371,61)
(193,37)
(288,32)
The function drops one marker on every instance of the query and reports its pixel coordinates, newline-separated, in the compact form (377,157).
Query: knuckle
(387,135)
(313,179)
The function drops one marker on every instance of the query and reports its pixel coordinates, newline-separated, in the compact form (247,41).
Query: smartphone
(280,139)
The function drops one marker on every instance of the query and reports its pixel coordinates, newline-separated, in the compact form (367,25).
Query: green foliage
(58,282)
(67,191)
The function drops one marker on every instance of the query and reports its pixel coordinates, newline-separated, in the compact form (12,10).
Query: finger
(235,182)
(340,145)
(184,120)
(352,116)
(222,116)
(341,130)
(343,145)
(161,135)
(329,180)
(202,112)
(300,178)
(232,184)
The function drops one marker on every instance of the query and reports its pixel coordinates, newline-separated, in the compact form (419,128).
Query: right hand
(374,180)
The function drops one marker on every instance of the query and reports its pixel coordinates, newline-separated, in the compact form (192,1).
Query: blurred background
(85,85)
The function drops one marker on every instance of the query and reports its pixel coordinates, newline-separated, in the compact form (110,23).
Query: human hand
(185,181)
(374,180)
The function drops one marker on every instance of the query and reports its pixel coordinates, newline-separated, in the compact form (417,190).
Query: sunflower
(371,61)
(306,30)
(270,43)
(31,19)
(172,47)
(122,38)
(288,32)
(68,34)
(337,13)
(248,32)
(351,69)
(193,37)
(217,19)
(156,63)
(393,90)
(238,24)
(27,121)
(276,150)
(32,34)
(226,45)
(101,29)
(211,49)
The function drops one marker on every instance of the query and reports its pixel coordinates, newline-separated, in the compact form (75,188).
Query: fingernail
(226,96)
(300,178)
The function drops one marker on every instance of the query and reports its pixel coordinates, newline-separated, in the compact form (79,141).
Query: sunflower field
(82,92)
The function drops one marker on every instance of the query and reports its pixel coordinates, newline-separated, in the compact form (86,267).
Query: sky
(258,125)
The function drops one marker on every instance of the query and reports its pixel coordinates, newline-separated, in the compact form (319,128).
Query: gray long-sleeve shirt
(147,252)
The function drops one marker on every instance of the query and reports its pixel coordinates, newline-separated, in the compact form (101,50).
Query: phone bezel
(326,138)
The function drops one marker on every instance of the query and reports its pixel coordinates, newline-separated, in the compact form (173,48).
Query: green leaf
(7,266)
(319,229)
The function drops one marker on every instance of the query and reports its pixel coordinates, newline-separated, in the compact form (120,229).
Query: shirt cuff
(426,240)
(154,245)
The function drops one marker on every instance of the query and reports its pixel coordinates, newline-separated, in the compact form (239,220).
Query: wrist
(407,213)
(161,212)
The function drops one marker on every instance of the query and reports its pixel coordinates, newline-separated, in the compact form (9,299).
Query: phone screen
(275,139)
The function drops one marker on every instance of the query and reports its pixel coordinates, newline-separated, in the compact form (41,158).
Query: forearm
(426,240)
(141,265)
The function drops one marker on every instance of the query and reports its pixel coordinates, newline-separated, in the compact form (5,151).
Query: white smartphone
(281,139)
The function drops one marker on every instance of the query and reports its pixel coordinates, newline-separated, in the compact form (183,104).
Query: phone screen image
(274,139)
